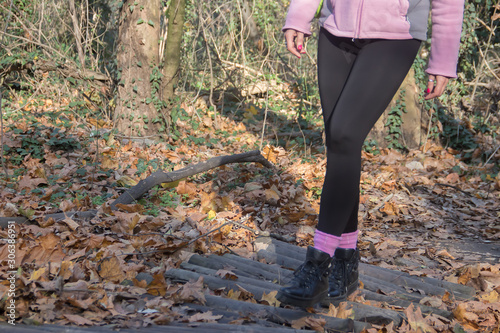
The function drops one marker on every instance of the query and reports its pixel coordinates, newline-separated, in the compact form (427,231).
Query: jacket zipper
(357,31)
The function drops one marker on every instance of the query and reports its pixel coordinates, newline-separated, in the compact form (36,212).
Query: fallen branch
(156,178)
(160,177)
(49,66)
(456,188)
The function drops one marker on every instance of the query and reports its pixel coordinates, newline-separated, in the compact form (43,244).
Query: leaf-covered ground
(417,211)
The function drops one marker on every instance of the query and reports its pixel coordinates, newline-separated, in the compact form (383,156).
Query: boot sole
(338,299)
(299,301)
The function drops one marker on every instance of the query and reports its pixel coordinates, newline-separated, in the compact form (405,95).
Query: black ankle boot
(344,276)
(309,284)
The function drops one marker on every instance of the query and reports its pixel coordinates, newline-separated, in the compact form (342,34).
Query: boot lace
(338,275)
(305,273)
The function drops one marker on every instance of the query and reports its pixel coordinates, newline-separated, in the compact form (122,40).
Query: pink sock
(349,240)
(326,242)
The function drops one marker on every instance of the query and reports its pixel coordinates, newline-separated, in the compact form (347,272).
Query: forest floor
(426,212)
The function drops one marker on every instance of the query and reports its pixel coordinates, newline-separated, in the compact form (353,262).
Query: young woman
(365,50)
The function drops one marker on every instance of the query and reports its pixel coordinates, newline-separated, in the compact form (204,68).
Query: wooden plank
(259,267)
(217,262)
(375,315)
(229,315)
(428,285)
(171,328)
(241,279)
(250,328)
(373,296)
(374,284)
(22,328)
(250,268)
(283,315)
(214,282)
(279,259)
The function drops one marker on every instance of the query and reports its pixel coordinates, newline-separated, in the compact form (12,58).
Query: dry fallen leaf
(158,286)
(36,275)
(271,298)
(193,291)
(416,321)
(226,274)
(206,317)
(433,301)
(71,223)
(111,269)
(445,253)
(78,320)
(317,324)
(491,297)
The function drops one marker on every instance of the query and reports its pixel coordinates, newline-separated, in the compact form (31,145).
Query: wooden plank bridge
(276,261)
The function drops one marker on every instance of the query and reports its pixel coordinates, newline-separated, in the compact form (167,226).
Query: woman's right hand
(294,42)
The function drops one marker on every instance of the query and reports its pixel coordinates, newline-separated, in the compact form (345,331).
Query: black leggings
(357,80)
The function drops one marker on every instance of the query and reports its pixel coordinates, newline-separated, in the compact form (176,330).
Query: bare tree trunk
(138,107)
(77,33)
(250,27)
(176,13)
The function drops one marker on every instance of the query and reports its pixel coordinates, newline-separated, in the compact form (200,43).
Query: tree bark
(176,13)
(250,27)
(137,110)
(77,33)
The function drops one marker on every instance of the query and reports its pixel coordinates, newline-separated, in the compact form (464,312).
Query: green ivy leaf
(131,8)
(140,21)
(151,23)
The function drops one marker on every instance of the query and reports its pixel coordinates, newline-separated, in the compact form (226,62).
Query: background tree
(232,52)
(172,57)
(138,109)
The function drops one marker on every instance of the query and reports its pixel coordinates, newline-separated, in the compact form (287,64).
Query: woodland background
(98,95)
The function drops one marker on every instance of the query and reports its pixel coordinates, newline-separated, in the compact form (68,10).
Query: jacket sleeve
(300,15)
(447,19)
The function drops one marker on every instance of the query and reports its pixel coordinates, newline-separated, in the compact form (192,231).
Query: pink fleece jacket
(389,19)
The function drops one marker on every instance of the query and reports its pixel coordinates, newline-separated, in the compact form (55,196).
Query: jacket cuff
(300,15)
(447,20)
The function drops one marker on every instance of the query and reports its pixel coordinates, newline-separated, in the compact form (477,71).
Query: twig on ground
(265,117)
(456,188)
(211,96)
(491,156)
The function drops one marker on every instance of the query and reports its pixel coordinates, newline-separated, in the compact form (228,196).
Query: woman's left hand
(436,86)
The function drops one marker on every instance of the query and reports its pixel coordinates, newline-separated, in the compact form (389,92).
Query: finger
(439,88)
(290,36)
(432,95)
(299,42)
(430,84)
(441,83)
